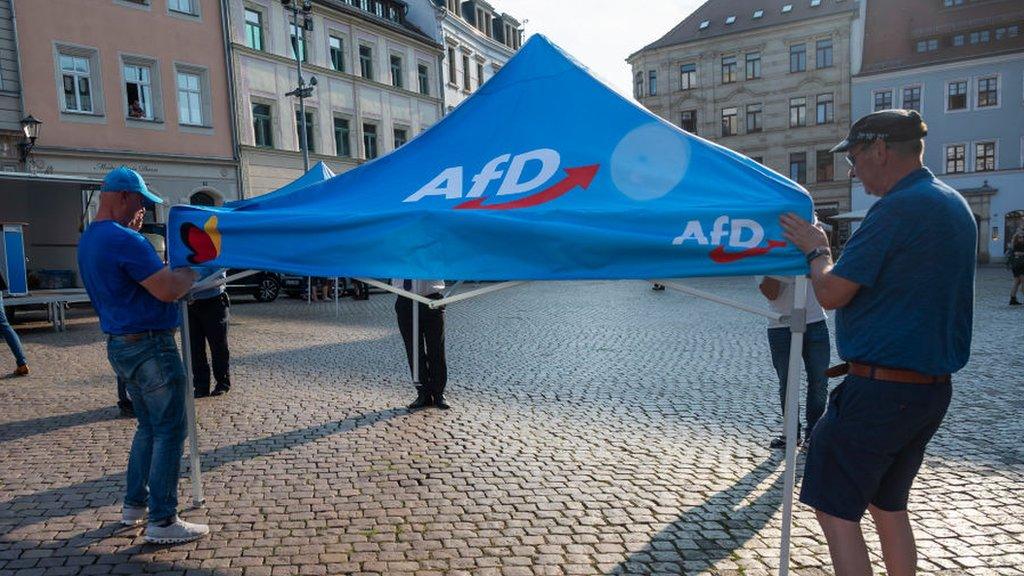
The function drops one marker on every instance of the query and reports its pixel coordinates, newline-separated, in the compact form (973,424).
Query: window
(704,25)
(298,43)
(730,20)
(423,73)
(956,159)
(342,137)
(883,100)
(396,72)
(988,92)
(824,166)
(787,8)
(253,29)
(401,137)
(366,62)
(958,40)
(638,85)
(823,53)
(688,121)
(912,98)
(687,76)
(928,45)
(190,99)
(310,141)
(728,69)
(182,6)
(370,140)
(652,86)
(479,74)
(452,73)
(815,3)
(467,82)
(798,167)
(950,3)
(365,5)
(825,111)
(754,117)
(758,14)
(985,157)
(797,112)
(262,129)
(798,58)
(730,126)
(138,91)
(378,9)
(956,95)
(337,50)
(1013,31)
(77,82)
(753,65)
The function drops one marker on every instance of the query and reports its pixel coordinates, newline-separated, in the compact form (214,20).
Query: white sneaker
(177,532)
(132,516)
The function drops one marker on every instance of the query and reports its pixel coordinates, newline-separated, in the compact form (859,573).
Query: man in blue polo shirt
(134,294)
(903,292)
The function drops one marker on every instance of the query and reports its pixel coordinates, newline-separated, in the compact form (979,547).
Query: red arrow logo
(581,177)
(720,256)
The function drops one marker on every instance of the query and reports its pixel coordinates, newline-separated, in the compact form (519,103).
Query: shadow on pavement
(25,428)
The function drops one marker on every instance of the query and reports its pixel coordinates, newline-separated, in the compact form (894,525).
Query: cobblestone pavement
(598,428)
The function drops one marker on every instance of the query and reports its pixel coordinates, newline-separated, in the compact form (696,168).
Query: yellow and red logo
(203,243)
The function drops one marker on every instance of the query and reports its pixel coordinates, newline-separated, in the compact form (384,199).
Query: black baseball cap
(888,125)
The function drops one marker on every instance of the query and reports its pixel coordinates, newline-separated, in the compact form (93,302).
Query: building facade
(769,79)
(477,40)
(961,64)
(10,92)
(141,83)
(377,85)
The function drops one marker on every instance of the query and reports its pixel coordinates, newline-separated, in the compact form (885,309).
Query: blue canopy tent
(545,173)
(317,174)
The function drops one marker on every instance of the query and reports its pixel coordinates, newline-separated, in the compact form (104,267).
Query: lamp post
(302,91)
(30,126)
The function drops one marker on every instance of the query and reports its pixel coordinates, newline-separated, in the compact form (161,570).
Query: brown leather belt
(133,338)
(887,374)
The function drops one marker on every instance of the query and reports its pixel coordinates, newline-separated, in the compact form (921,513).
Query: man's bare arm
(831,290)
(170,285)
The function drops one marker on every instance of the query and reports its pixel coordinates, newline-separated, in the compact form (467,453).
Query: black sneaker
(126,409)
(439,402)
(220,390)
(1013,301)
(423,400)
(779,442)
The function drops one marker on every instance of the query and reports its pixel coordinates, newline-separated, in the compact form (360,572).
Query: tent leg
(416,343)
(797,327)
(190,411)
(309,289)
(337,312)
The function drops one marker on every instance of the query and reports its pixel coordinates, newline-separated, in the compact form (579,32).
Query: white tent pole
(190,410)
(212,282)
(415,342)
(472,294)
(715,298)
(309,289)
(797,327)
(398,291)
(337,312)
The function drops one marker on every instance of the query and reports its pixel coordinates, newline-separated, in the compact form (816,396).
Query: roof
(892,31)
(716,13)
(403,26)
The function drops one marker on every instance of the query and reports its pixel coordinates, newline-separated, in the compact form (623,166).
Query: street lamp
(30,126)
(302,91)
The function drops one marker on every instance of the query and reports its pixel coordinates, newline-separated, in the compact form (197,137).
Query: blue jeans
(11,336)
(155,377)
(817,352)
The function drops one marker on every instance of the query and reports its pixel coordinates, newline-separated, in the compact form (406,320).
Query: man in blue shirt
(134,294)
(904,295)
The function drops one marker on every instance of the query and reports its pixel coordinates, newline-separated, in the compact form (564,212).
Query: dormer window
(758,14)
(730,20)
(705,24)
(787,8)
(815,3)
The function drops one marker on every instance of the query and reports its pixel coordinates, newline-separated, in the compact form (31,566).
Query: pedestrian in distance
(134,294)
(11,337)
(903,292)
(1015,260)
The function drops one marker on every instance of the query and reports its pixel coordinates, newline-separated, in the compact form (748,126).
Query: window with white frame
(253,29)
(183,6)
(336,46)
(825,110)
(883,100)
(797,112)
(956,159)
(138,91)
(397,77)
(956,95)
(190,98)
(366,61)
(76,81)
(687,76)
(988,92)
(985,157)
(423,74)
(262,125)
(298,40)
(730,124)
(912,98)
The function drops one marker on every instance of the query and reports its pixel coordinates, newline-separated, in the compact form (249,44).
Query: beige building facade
(770,80)
(378,85)
(141,83)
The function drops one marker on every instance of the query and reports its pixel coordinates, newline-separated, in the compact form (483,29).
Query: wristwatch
(817,253)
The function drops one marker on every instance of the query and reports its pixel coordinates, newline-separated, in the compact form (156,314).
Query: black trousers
(433,366)
(208,324)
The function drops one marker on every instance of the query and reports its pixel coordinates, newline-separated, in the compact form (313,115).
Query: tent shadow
(713,531)
(29,509)
(25,428)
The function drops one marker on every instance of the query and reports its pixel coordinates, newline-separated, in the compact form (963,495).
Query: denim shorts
(868,447)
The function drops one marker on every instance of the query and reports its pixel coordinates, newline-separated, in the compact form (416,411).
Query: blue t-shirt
(112,261)
(914,257)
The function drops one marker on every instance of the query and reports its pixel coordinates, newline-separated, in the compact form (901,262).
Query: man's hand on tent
(803,234)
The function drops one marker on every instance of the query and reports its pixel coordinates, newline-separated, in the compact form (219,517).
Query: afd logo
(743,237)
(518,174)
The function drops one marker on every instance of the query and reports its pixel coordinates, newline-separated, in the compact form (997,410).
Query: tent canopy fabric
(545,173)
(317,174)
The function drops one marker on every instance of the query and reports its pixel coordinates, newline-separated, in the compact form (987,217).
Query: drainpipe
(225,19)
(21,83)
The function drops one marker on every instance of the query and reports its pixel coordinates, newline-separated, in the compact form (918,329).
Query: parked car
(263,286)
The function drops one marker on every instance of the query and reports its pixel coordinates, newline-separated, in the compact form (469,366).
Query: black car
(263,286)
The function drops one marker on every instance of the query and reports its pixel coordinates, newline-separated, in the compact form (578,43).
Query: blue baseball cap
(125,179)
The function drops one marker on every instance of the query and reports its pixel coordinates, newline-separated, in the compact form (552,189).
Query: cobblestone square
(597,428)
